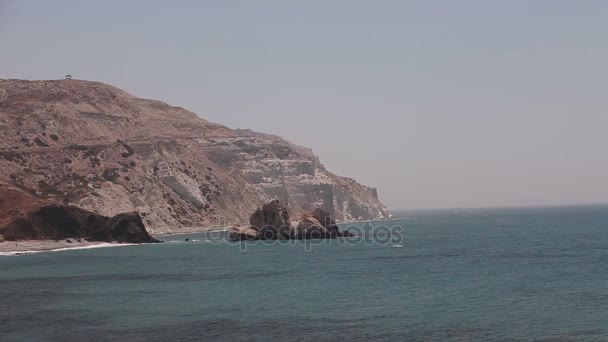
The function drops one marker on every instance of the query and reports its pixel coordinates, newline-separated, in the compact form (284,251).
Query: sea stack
(271,222)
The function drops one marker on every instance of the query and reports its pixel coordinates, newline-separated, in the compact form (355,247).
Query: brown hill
(97,147)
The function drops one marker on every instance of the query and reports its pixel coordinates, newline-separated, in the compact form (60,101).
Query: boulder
(345,233)
(308,222)
(239,233)
(310,228)
(271,221)
(326,220)
(322,216)
(318,224)
(257,219)
(2,238)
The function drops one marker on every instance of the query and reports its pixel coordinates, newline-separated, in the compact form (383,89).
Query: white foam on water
(101,245)
(17,253)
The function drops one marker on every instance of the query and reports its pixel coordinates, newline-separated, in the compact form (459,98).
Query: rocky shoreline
(33,224)
(25,217)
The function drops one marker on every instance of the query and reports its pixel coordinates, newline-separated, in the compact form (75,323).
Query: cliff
(99,148)
(24,217)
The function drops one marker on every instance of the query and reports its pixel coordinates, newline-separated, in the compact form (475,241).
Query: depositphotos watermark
(353,234)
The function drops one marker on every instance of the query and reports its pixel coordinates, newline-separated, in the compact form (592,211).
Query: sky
(438,104)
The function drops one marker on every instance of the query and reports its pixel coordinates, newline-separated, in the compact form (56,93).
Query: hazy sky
(437,103)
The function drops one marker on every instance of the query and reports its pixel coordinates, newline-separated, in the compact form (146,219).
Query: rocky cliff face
(99,148)
(24,217)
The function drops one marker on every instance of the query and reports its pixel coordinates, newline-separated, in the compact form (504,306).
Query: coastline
(199,230)
(11,248)
(187,231)
(26,247)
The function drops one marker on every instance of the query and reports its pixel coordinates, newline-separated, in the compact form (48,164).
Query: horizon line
(531,206)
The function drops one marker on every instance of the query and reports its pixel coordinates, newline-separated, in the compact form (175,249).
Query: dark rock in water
(323,217)
(271,222)
(326,220)
(346,233)
(310,227)
(246,233)
(187,239)
(24,217)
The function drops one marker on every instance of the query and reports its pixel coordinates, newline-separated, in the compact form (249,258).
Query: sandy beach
(36,246)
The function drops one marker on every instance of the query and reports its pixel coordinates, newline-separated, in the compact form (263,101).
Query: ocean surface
(459,275)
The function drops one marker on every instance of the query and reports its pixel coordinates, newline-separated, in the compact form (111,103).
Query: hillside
(97,147)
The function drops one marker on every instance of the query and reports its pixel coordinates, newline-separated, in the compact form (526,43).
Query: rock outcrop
(309,227)
(244,233)
(324,218)
(94,146)
(271,222)
(24,217)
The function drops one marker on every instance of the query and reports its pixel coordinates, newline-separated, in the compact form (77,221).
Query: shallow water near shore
(490,275)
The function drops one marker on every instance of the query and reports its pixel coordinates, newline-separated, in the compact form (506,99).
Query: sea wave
(101,245)
(180,241)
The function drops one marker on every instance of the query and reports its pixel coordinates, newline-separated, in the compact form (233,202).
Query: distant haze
(436,103)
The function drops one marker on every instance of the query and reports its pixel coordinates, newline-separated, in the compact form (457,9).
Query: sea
(527,274)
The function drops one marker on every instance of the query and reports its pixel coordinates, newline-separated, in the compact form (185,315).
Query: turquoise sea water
(469,275)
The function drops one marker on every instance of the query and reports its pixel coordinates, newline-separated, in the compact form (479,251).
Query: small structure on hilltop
(68,77)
